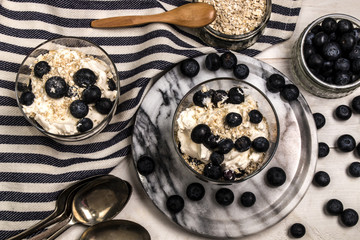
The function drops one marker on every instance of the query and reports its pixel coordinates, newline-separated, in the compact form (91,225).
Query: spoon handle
(64,224)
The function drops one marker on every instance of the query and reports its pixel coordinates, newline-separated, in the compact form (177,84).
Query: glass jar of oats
(238,25)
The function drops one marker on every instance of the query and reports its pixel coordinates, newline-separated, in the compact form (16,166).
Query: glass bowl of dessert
(238,24)
(68,88)
(225,130)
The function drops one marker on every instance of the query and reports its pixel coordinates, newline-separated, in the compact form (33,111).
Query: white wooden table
(310,211)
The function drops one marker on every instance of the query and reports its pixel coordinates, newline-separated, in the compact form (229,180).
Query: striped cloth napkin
(35,169)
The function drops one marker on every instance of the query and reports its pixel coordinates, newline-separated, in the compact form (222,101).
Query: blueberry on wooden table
(104,105)
(297,230)
(334,207)
(248,199)
(233,119)
(355,104)
(145,165)
(349,217)
(260,144)
(242,144)
(241,71)
(319,120)
(199,133)
(322,178)
(84,124)
(56,87)
(91,94)
(41,68)
(228,60)
(354,169)
(79,109)
(189,67)
(276,176)
(346,143)
(255,116)
(224,196)
(343,112)
(323,150)
(275,83)
(290,92)
(225,146)
(27,98)
(84,77)
(175,203)
(195,191)
(236,95)
(213,171)
(212,62)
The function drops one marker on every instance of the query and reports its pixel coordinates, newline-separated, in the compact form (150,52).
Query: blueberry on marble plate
(275,83)
(175,203)
(213,62)
(79,109)
(276,176)
(354,169)
(242,144)
(84,77)
(41,68)
(216,158)
(84,124)
(224,196)
(346,143)
(189,67)
(343,112)
(297,230)
(236,95)
(56,87)
(228,60)
(248,199)
(218,96)
(355,104)
(225,146)
(349,217)
(229,175)
(91,94)
(104,105)
(260,144)
(199,98)
(334,207)
(255,116)
(319,120)
(199,133)
(233,119)
(27,98)
(145,165)
(323,150)
(241,71)
(195,191)
(290,92)
(213,171)
(322,178)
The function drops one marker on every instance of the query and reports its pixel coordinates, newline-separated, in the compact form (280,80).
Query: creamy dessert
(69,92)
(223,135)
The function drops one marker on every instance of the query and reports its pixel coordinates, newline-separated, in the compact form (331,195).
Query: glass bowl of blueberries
(225,130)
(326,56)
(68,88)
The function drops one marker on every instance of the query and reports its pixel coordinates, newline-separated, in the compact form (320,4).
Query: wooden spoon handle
(123,21)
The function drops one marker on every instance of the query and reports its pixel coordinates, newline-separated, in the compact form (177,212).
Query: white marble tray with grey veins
(296,154)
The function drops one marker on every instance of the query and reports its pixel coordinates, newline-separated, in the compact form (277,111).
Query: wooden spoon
(192,15)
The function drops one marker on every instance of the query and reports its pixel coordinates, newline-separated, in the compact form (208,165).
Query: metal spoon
(191,15)
(116,230)
(97,201)
(61,211)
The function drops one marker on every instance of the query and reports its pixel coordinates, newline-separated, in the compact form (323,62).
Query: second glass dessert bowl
(225,130)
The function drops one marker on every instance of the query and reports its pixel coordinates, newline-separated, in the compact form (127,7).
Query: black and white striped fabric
(33,168)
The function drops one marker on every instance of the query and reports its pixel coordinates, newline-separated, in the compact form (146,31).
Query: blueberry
(342,78)
(84,77)
(358,149)
(329,25)
(242,144)
(346,143)
(175,203)
(308,51)
(322,179)
(228,60)
(355,53)
(323,150)
(334,207)
(255,116)
(236,95)
(290,92)
(316,29)
(276,176)
(84,124)
(347,41)
(260,144)
(216,158)
(355,66)
(239,173)
(199,98)
(349,217)
(241,71)
(343,112)
(225,146)
(41,68)
(229,175)
(23,87)
(309,38)
(327,68)
(145,165)
(224,196)
(111,84)
(342,64)
(297,230)
(247,199)
(56,87)
(344,26)
(212,171)
(212,62)
(355,104)
(104,105)
(219,96)
(211,141)
(79,109)
(275,83)
(319,120)
(189,67)
(195,191)
(315,61)
(320,39)
(233,119)
(91,94)
(356,33)
(199,133)
(331,51)
(354,169)
(333,37)
(27,98)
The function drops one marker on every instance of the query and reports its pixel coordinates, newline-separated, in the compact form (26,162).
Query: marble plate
(296,154)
